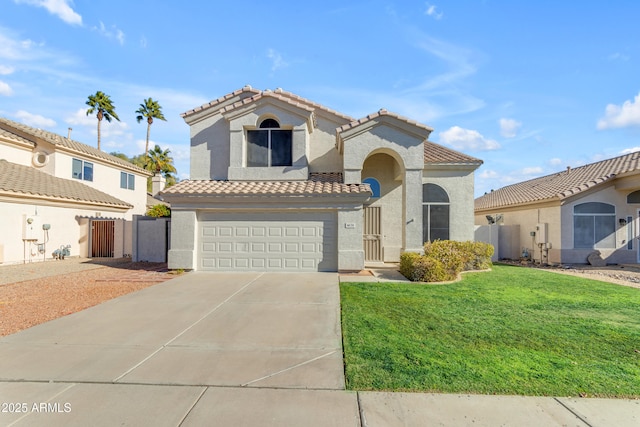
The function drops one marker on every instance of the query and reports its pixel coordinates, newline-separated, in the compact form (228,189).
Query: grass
(509,331)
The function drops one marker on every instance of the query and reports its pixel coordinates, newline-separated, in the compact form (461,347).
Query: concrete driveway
(232,349)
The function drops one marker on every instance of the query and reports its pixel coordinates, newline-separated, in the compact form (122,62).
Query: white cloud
(5,89)
(488,174)
(509,127)
(534,170)
(432,11)
(60,8)
(619,57)
(143,42)
(467,139)
(630,150)
(616,116)
(111,33)
(5,70)
(35,120)
(276,60)
(80,118)
(555,161)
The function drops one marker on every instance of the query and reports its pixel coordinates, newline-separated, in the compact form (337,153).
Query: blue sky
(528,87)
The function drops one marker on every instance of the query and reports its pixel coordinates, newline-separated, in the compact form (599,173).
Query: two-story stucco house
(56,192)
(279,182)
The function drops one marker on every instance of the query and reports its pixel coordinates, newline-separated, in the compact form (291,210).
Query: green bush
(443,260)
(158,211)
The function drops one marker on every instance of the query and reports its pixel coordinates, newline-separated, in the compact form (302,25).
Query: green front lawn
(509,331)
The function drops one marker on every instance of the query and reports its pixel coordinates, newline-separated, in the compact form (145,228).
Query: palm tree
(160,162)
(151,110)
(101,103)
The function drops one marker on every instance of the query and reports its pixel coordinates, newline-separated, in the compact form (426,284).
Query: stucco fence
(151,238)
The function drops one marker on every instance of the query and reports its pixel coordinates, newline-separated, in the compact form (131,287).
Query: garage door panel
(268,241)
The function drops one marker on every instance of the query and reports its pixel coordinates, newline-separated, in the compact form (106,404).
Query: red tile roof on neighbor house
(561,185)
(319,184)
(24,181)
(21,132)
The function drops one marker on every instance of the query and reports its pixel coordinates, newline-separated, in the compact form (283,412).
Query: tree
(101,104)
(151,110)
(159,161)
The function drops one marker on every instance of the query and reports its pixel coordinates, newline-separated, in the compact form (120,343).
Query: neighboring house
(279,182)
(565,216)
(85,196)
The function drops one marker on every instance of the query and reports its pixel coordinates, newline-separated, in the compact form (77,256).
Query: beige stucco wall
(218,143)
(458,182)
(68,227)
(14,154)
(106,178)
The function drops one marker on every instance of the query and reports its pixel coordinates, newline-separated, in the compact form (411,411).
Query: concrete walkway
(237,349)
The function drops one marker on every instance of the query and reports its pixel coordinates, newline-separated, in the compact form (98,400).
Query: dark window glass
(439,222)
(269,146)
(434,193)
(88,171)
(77,169)
(280,148)
(594,208)
(132,182)
(123,180)
(634,197)
(257,148)
(269,123)
(435,213)
(594,225)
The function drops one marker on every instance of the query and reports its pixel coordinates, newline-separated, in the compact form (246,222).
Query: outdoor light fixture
(622,221)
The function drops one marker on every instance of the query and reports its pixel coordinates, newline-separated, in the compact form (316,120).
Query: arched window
(634,197)
(269,145)
(594,225)
(374,184)
(435,213)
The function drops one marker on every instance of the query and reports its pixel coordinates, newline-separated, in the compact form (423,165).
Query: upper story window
(127,181)
(82,169)
(594,225)
(269,145)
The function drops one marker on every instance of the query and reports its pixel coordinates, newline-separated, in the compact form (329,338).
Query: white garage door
(282,241)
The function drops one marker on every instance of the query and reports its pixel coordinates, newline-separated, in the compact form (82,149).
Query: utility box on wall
(32,227)
(542,233)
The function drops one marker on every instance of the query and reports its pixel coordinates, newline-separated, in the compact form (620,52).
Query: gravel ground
(35,293)
(623,274)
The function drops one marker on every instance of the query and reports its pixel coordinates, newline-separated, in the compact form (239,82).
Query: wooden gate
(102,237)
(372,235)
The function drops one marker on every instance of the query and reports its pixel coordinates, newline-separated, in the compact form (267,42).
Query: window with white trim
(127,181)
(435,213)
(594,226)
(269,145)
(82,169)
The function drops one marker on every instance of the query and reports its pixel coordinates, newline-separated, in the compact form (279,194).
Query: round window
(40,159)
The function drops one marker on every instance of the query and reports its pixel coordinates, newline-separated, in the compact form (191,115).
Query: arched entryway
(383,215)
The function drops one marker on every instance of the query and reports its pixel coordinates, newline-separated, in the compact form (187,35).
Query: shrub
(158,211)
(443,260)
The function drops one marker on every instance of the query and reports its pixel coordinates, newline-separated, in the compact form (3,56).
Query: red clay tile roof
(265,188)
(559,186)
(23,132)
(437,154)
(380,113)
(279,93)
(16,180)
